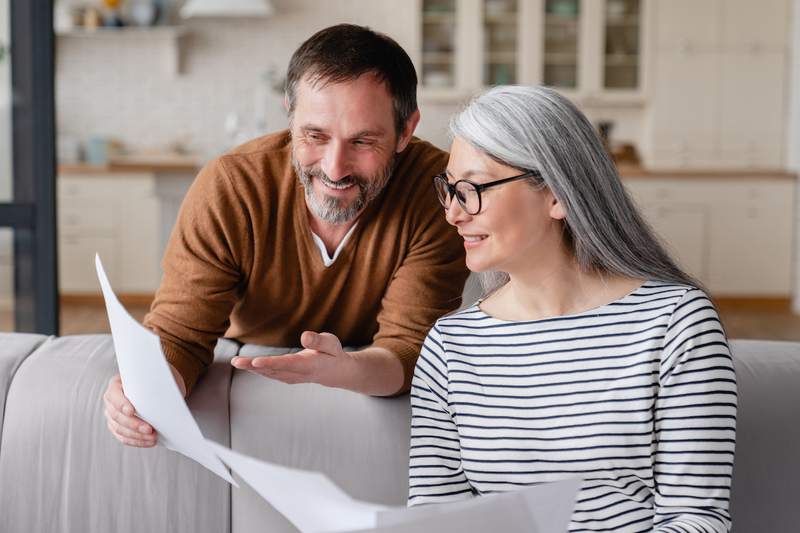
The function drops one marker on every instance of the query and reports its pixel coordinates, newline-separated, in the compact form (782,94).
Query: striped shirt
(637,397)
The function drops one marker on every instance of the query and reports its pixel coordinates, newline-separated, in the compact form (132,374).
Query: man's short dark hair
(345,52)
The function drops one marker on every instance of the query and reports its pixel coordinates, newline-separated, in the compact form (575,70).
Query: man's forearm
(376,371)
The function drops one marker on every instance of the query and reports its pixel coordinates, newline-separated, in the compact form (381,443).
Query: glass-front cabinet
(438,43)
(588,49)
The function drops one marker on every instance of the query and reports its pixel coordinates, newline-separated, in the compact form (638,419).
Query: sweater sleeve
(435,470)
(202,273)
(427,285)
(695,428)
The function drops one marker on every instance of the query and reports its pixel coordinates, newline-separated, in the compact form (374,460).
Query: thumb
(322,342)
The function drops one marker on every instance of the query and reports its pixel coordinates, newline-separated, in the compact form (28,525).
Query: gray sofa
(61,471)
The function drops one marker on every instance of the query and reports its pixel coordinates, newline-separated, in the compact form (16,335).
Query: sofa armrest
(61,469)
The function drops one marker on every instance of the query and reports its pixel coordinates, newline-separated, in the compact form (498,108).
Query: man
(328,234)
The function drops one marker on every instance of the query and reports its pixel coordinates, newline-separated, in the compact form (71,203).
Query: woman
(592,354)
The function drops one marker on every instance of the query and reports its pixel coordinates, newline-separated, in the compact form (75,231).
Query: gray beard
(334,210)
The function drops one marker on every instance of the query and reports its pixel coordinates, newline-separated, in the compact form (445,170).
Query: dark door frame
(32,211)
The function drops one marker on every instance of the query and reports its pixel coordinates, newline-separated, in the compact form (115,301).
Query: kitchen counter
(635,171)
(156,164)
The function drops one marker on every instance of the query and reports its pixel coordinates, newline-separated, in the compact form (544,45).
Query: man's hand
(323,361)
(373,370)
(121,419)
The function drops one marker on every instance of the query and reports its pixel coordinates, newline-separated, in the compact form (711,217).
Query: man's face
(343,145)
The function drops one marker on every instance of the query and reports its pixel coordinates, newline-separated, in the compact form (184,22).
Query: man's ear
(408,131)
(286,102)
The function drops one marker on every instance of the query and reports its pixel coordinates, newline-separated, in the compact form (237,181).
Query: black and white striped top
(637,397)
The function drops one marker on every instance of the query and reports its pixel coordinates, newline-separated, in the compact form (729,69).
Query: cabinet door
(439,28)
(140,245)
(622,46)
(750,250)
(682,120)
(76,271)
(562,34)
(751,109)
(687,24)
(683,229)
(748,24)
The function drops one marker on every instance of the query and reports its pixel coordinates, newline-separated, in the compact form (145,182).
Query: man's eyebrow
(312,127)
(368,133)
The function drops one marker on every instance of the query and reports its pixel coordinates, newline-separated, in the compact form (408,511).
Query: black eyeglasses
(467,193)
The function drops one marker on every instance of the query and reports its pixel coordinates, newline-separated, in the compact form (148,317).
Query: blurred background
(109,108)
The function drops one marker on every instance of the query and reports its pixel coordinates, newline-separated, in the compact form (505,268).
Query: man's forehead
(359,107)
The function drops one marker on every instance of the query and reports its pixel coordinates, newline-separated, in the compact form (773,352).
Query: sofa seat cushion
(766,473)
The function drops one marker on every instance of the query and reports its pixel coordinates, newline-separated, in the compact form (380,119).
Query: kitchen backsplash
(118,87)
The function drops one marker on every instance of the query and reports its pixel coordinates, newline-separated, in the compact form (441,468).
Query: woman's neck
(560,288)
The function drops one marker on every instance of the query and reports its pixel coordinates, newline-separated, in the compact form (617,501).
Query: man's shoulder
(263,161)
(421,155)
(275,143)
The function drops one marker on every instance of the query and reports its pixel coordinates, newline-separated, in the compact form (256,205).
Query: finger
(129,441)
(131,422)
(242,363)
(116,396)
(322,342)
(123,431)
(297,363)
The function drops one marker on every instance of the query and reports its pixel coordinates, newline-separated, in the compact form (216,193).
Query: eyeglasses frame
(479,187)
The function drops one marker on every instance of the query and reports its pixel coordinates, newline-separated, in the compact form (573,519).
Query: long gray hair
(536,128)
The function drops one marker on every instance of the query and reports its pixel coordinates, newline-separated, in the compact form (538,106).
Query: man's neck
(330,234)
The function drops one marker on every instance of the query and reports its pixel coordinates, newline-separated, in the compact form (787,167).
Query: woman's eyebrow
(470,173)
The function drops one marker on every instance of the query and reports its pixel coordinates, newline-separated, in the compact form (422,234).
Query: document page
(314,504)
(149,385)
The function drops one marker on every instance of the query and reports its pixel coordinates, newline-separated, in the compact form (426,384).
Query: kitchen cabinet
(590,50)
(734,234)
(116,215)
(718,93)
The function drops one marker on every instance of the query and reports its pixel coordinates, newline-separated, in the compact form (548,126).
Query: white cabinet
(117,216)
(734,234)
(590,49)
(718,90)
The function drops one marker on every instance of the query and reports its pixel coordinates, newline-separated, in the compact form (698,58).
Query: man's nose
(336,164)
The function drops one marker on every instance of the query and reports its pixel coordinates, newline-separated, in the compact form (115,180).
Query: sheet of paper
(540,508)
(309,500)
(314,504)
(149,385)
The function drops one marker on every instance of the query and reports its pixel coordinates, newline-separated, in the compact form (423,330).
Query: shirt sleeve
(427,285)
(695,428)
(436,474)
(202,273)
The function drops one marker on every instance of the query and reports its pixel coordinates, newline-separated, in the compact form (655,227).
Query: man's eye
(362,142)
(315,136)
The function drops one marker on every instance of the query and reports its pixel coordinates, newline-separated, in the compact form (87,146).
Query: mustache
(346,181)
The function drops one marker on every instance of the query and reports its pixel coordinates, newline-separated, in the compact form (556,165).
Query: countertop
(192,164)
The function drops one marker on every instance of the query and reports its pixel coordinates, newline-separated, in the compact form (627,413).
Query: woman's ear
(556,209)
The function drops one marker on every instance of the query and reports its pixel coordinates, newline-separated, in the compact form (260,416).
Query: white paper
(314,504)
(149,385)
(309,500)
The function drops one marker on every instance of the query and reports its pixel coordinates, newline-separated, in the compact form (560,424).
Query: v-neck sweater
(241,261)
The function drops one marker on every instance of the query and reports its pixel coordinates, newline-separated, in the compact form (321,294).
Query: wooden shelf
(173,58)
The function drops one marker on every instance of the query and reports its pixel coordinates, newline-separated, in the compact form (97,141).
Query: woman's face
(518,226)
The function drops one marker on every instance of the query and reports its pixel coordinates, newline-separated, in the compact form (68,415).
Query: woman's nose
(454,213)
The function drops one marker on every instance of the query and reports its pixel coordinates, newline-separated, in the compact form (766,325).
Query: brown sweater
(241,261)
